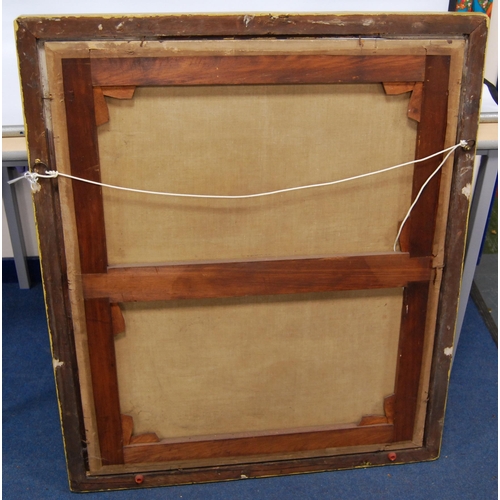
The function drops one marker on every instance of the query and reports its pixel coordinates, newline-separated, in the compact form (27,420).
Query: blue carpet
(33,454)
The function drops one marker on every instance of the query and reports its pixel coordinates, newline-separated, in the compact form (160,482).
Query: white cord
(33,177)
(421,191)
(50,174)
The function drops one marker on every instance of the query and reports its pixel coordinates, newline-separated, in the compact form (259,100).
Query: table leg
(14,222)
(478,218)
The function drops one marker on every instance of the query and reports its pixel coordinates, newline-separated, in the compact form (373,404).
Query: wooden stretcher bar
(416,269)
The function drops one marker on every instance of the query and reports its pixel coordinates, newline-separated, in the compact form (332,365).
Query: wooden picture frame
(277,290)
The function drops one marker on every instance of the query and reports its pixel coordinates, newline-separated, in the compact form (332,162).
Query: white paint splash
(467,190)
(448,351)
(247,19)
(56,363)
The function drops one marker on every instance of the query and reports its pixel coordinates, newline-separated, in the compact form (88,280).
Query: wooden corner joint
(100,104)
(388,418)
(117,319)
(397,88)
(128,436)
(416,89)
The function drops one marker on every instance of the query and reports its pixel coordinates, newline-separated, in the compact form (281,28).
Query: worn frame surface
(32,33)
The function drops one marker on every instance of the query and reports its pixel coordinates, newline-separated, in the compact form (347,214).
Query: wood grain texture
(84,158)
(372,420)
(100,107)
(237,279)
(267,25)
(104,380)
(455,236)
(128,433)
(119,92)
(117,319)
(387,418)
(127,428)
(252,470)
(430,138)
(411,343)
(201,474)
(300,441)
(389,407)
(397,88)
(148,437)
(53,260)
(249,70)
(404,237)
(31,32)
(415,104)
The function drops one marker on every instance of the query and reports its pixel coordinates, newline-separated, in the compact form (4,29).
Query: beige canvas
(192,368)
(140,125)
(249,139)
